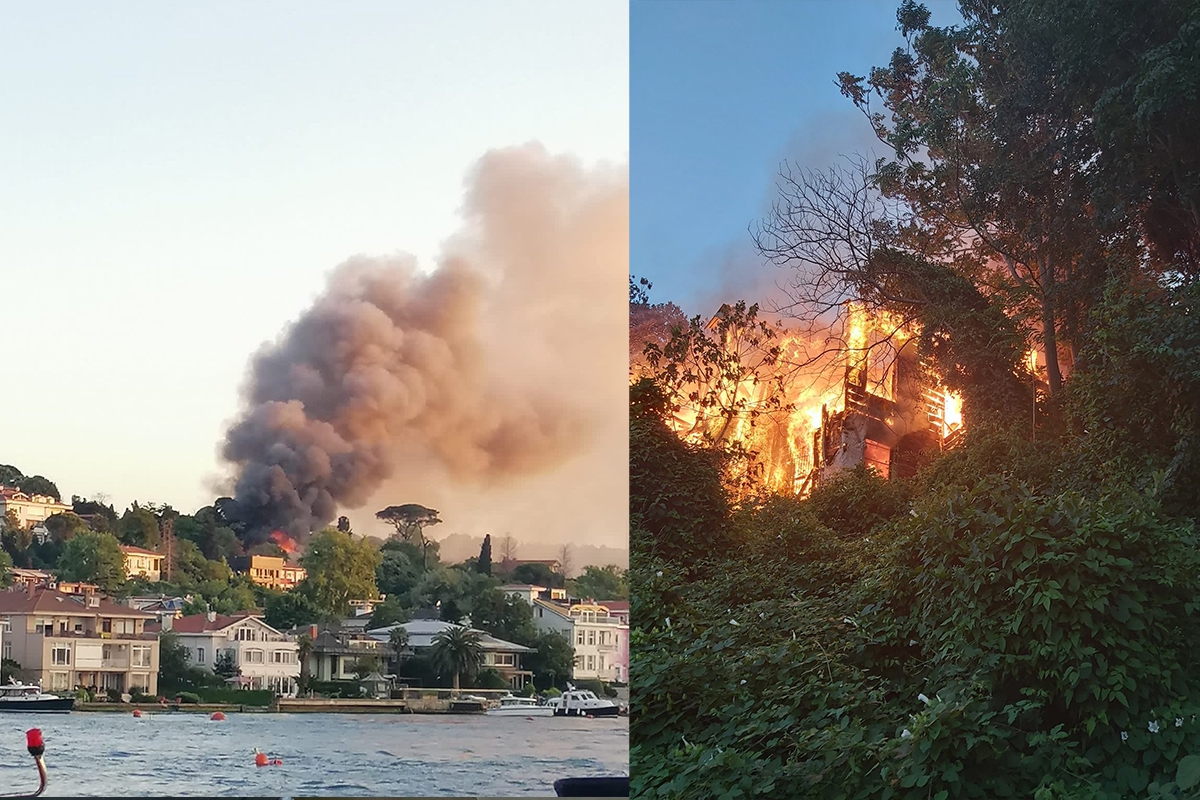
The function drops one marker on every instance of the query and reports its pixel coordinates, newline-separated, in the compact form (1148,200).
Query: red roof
(49,601)
(614,605)
(141,551)
(200,623)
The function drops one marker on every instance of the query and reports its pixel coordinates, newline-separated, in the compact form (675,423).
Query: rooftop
(50,601)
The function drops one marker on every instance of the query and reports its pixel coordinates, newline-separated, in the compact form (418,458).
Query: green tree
(6,567)
(93,558)
(10,476)
(389,612)
(138,526)
(504,616)
(287,610)
(225,665)
(457,652)
(37,484)
(553,662)
(64,526)
(398,640)
(15,537)
(409,520)
(173,662)
(340,569)
(484,564)
(304,650)
(399,570)
(537,575)
(602,583)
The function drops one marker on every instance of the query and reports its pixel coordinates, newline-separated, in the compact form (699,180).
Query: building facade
(600,639)
(266,658)
(504,657)
(272,572)
(29,509)
(142,563)
(67,641)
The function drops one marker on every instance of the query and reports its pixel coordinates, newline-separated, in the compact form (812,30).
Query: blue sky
(721,93)
(179,178)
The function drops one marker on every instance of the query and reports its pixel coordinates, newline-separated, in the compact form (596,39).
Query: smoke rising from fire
(471,372)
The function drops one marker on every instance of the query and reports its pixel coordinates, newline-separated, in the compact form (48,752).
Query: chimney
(211,616)
(93,601)
(167,621)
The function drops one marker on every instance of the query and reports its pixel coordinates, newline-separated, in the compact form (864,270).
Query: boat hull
(605,711)
(60,705)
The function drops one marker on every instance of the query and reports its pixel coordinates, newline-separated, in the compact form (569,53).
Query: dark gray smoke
(391,361)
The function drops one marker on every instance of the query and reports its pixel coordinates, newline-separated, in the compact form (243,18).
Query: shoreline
(304,706)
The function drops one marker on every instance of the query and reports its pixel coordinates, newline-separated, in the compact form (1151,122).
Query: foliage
(6,566)
(340,569)
(457,652)
(553,661)
(677,502)
(38,484)
(409,520)
(94,558)
(602,583)
(489,679)
(537,574)
(857,500)
(389,612)
(484,564)
(225,664)
(287,610)
(504,616)
(259,698)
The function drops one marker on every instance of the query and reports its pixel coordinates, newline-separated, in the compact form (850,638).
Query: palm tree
(398,639)
(457,650)
(304,648)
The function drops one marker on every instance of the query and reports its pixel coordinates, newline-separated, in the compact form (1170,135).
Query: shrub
(190,698)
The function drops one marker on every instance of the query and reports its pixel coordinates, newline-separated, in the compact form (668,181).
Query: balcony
(136,637)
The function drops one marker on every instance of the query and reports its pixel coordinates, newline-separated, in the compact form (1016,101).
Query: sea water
(165,753)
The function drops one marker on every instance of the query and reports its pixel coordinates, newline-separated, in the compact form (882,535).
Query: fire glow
(865,400)
(285,542)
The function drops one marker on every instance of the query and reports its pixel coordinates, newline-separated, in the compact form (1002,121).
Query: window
(7,650)
(579,637)
(254,656)
(61,655)
(591,663)
(283,657)
(60,680)
(140,657)
(42,626)
(246,635)
(591,637)
(106,652)
(199,655)
(504,659)
(6,624)
(139,681)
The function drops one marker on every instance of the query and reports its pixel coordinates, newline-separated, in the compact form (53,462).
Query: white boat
(513,706)
(582,703)
(24,698)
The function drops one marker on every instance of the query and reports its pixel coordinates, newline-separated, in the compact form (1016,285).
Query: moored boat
(25,698)
(513,706)
(582,703)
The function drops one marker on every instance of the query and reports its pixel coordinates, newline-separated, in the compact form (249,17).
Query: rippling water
(115,754)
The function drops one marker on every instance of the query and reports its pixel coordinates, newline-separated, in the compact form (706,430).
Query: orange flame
(285,542)
(784,441)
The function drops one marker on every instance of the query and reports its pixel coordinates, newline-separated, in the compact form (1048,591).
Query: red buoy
(33,739)
(217,716)
(260,759)
(137,712)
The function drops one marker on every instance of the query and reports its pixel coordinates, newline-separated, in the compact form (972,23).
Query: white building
(600,639)
(265,657)
(30,509)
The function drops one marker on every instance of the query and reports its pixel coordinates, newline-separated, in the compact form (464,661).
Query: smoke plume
(469,372)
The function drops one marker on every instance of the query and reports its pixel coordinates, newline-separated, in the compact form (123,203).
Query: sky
(721,94)
(179,180)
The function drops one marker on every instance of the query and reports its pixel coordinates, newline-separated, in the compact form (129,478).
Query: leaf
(1188,773)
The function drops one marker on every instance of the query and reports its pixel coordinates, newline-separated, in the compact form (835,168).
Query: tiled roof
(139,551)
(49,601)
(200,623)
(614,605)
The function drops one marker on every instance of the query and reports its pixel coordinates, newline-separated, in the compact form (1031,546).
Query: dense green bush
(241,697)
